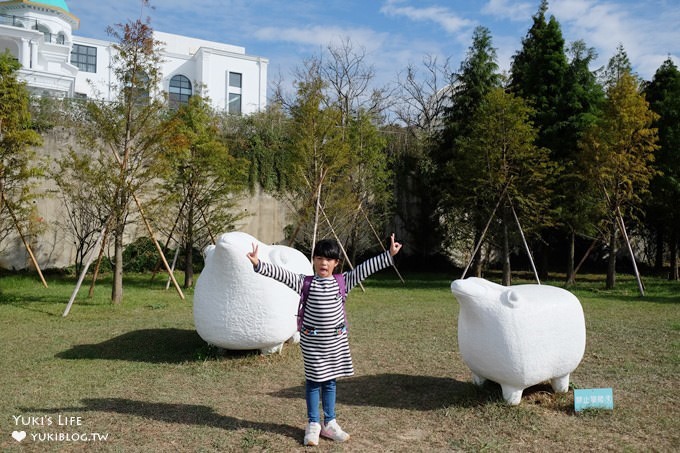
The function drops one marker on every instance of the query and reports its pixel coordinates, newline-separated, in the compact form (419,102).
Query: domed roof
(56,3)
(55,7)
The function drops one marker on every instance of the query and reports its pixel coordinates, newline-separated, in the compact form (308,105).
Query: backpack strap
(304,294)
(342,286)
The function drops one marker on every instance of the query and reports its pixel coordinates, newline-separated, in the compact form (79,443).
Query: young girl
(323,337)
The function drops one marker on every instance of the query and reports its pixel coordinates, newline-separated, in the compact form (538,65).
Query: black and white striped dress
(324,344)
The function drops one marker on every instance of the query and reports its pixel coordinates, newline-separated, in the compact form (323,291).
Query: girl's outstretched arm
(288,278)
(372,265)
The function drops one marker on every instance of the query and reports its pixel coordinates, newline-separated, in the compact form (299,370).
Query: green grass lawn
(140,374)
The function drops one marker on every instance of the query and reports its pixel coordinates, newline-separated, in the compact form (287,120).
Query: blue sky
(396,33)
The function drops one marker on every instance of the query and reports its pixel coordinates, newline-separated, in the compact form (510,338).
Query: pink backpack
(340,278)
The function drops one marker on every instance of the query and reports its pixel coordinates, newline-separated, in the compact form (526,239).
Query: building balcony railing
(17,21)
(32,24)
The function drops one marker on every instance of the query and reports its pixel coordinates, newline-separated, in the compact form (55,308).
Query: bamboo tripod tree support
(121,162)
(379,241)
(95,273)
(641,287)
(624,233)
(486,227)
(504,194)
(158,247)
(344,252)
(23,239)
(97,247)
(320,210)
(524,240)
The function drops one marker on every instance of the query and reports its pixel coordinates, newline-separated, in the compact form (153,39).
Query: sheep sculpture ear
(208,251)
(511,299)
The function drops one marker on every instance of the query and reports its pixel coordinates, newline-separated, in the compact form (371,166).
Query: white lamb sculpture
(519,336)
(238,309)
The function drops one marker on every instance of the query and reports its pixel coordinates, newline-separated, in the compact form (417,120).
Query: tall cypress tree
(576,200)
(477,77)
(663,95)
(502,159)
(539,73)
(621,147)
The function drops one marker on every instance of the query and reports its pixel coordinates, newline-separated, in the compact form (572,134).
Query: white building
(39,34)
(54,61)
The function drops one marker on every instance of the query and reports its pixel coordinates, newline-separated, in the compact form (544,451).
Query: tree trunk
(188,265)
(674,273)
(477,262)
(571,273)
(117,285)
(658,255)
(189,249)
(611,265)
(507,272)
(543,261)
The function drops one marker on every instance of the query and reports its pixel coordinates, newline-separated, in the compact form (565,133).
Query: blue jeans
(325,392)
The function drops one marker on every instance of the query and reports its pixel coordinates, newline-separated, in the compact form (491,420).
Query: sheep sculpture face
(238,309)
(519,336)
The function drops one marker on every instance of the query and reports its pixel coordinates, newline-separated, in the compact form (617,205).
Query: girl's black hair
(327,248)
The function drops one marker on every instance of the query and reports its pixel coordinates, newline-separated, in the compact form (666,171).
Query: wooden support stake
(172,268)
(344,253)
(95,274)
(158,246)
(84,271)
(526,246)
(207,225)
(619,221)
(585,256)
(146,222)
(316,213)
(486,227)
(23,239)
(619,217)
(167,242)
(380,241)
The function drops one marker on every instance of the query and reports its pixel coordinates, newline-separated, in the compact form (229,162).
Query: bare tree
(422,99)
(349,79)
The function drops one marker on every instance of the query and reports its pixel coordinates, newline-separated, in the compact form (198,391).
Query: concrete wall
(54,247)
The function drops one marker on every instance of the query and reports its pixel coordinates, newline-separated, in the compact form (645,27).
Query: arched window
(47,35)
(180,90)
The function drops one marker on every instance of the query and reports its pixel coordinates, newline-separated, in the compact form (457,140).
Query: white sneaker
(333,431)
(312,434)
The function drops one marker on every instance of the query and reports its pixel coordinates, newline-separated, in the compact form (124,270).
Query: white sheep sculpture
(234,307)
(519,336)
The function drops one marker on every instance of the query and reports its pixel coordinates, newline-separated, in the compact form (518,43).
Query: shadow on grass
(147,345)
(402,391)
(387,279)
(186,414)
(665,299)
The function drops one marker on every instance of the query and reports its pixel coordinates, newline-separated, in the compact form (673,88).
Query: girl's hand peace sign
(252,256)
